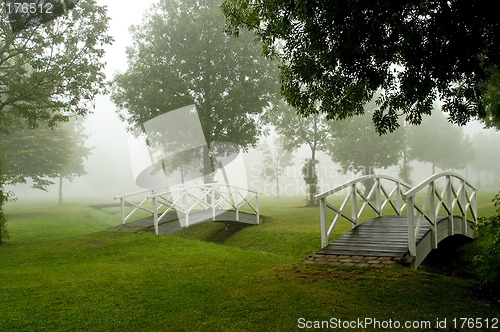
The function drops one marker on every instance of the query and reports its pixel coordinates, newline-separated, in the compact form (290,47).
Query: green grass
(61,270)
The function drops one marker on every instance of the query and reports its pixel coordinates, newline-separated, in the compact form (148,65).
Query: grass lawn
(61,270)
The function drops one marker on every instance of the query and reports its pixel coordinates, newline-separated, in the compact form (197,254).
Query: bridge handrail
(183,200)
(377,189)
(139,206)
(207,199)
(199,186)
(135,193)
(360,179)
(425,182)
(448,198)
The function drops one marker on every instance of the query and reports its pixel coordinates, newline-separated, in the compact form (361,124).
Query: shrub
(3,218)
(496,200)
(4,197)
(488,259)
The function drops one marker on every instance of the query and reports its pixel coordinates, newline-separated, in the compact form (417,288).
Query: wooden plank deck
(387,236)
(381,236)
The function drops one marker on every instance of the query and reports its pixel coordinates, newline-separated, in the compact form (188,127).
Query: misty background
(108,167)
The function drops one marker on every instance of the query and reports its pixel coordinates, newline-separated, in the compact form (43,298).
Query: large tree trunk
(368,170)
(405,168)
(313,188)
(313,185)
(3,218)
(60,190)
(207,165)
(277,187)
(207,169)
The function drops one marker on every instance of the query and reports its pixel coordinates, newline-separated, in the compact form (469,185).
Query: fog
(109,171)
(108,167)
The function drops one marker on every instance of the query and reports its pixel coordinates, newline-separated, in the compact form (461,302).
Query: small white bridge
(410,221)
(186,206)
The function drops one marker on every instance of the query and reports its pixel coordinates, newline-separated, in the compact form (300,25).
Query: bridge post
(412,246)
(398,199)
(354,207)
(322,216)
(257,214)
(432,214)
(212,201)
(474,207)
(449,202)
(155,215)
(122,203)
(463,209)
(377,197)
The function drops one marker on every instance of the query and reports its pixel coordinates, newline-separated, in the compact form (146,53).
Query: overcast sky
(108,166)
(109,171)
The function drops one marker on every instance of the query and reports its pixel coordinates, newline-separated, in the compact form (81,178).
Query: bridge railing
(376,198)
(213,196)
(184,200)
(446,194)
(130,199)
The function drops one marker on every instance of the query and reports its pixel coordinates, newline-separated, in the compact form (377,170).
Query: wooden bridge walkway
(387,236)
(172,209)
(435,209)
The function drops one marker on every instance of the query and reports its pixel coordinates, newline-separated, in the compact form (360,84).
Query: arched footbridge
(409,221)
(168,210)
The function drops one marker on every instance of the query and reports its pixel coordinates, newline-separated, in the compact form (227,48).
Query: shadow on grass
(222,234)
(450,258)
(216,231)
(455,257)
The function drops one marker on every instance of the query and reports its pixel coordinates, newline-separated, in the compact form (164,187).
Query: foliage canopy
(181,56)
(53,70)
(276,160)
(337,54)
(43,153)
(358,148)
(440,143)
(295,131)
(50,70)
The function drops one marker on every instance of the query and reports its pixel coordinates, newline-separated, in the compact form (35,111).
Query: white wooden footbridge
(409,221)
(168,210)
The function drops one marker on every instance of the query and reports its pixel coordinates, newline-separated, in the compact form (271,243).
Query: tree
(77,155)
(53,70)
(4,198)
(336,54)
(50,69)
(359,149)
(440,143)
(275,162)
(44,153)
(295,131)
(182,56)
(487,154)
(492,98)
(405,167)
(30,14)
(37,154)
